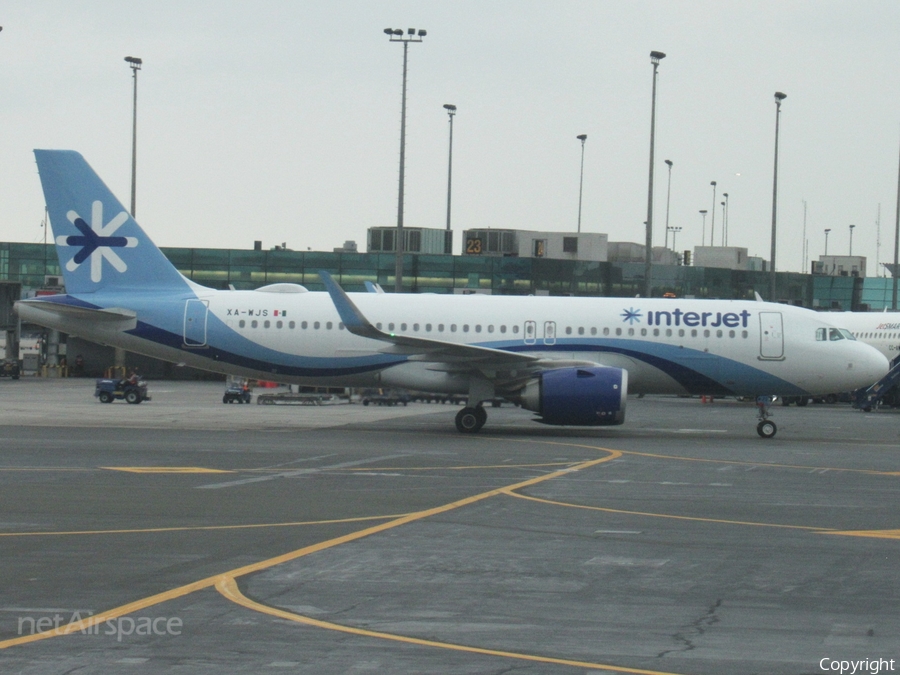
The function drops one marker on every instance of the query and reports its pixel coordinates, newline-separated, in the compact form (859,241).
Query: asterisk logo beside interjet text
(97,241)
(631,315)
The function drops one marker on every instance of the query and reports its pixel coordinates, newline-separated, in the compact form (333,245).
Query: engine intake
(578,396)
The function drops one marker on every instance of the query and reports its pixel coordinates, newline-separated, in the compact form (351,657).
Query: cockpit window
(847,334)
(821,334)
(835,334)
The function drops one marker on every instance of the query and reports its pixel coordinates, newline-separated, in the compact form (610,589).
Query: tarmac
(183,535)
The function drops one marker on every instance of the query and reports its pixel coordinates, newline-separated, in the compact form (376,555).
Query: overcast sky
(280,120)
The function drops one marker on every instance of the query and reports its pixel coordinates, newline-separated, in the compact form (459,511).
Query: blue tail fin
(100,246)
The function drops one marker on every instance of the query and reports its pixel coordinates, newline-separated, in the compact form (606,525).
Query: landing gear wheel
(766,428)
(470,420)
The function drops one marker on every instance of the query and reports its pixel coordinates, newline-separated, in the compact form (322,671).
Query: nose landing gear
(766,427)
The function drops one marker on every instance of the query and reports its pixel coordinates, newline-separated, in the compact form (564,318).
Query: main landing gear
(766,427)
(470,420)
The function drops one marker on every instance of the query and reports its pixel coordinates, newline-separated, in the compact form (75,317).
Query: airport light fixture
(451,112)
(779,97)
(703,238)
(582,138)
(827,230)
(397,35)
(725,221)
(712,224)
(655,58)
(668,201)
(851,239)
(674,230)
(135,64)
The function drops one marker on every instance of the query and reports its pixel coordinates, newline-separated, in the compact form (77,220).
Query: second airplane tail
(100,246)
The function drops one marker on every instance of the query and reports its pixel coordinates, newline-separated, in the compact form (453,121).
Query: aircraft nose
(869,364)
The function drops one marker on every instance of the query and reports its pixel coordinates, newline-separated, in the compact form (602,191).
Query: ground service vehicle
(108,390)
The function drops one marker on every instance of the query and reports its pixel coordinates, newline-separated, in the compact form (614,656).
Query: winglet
(353,319)
(374,288)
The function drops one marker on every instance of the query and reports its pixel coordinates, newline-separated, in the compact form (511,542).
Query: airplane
(881,330)
(571,360)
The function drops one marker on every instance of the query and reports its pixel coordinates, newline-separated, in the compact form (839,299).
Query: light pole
(703,238)
(674,230)
(668,200)
(396,35)
(655,58)
(448,238)
(827,230)
(582,138)
(712,223)
(135,64)
(851,239)
(779,97)
(725,221)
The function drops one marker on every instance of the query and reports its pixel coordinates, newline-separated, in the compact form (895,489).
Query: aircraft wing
(423,349)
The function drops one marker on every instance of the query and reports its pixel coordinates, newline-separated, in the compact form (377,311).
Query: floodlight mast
(396,35)
(135,64)
(655,58)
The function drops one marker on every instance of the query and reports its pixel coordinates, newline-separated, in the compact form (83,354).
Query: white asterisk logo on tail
(97,241)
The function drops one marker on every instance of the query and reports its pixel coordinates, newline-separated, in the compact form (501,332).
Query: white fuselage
(666,345)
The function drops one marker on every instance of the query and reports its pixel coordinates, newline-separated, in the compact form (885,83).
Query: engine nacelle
(578,396)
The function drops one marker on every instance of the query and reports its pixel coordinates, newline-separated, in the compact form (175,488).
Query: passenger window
(693,332)
(503,328)
(594,330)
(303,325)
(606,331)
(580,330)
(731,333)
(266,323)
(328,325)
(478,328)
(465,328)
(341,325)
(316,325)
(391,327)
(568,330)
(681,332)
(656,332)
(490,328)
(618,331)
(515,329)
(706,333)
(440,328)
(403,327)
(242,323)
(292,325)
(452,327)
(744,334)
(279,324)
(416,327)
(631,331)
(643,331)
(254,323)
(668,332)
(427,327)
